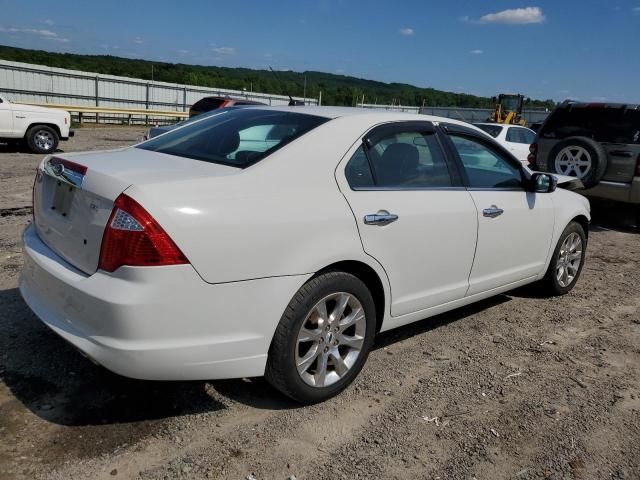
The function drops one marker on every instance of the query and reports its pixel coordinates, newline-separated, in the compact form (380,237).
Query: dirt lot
(519,386)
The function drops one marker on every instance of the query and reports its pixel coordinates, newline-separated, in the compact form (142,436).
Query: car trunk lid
(73,195)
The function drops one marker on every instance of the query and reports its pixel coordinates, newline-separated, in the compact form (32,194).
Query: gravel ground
(519,386)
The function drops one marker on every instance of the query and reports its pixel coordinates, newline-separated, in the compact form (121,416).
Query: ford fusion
(279,241)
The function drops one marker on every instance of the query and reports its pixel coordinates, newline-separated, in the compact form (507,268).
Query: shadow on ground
(50,378)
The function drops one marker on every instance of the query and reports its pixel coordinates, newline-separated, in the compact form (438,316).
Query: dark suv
(598,143)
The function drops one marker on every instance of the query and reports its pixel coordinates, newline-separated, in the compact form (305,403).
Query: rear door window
(403,160)
(520,135)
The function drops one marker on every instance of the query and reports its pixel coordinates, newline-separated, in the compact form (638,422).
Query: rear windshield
(205,105)
(493,130)
(235,137)
(603,124)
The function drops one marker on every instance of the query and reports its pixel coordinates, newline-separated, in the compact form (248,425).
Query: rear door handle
(492,212)
(381,218)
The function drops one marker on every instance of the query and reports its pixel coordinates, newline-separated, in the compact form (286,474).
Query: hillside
(336,89)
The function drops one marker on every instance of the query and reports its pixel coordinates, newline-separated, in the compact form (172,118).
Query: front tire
(567,261)
(323,338)
(42,139)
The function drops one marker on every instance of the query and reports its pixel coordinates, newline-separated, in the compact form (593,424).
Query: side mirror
(542,183)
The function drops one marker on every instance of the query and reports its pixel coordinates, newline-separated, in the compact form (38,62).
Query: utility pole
(304,92)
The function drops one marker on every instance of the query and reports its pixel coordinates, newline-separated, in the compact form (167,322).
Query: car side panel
(567,206)
(282,216)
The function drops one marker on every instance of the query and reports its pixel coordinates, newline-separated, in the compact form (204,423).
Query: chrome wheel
(574,161)
(569,259)
(43,139)
(330,339)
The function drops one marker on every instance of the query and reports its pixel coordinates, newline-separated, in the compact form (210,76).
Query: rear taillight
(133,237)
(533,154)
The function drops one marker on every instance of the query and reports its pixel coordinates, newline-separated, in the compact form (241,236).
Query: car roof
(372,114)
(501,125)
(574,104)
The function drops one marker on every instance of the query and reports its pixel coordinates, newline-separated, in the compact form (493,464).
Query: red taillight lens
(532,157)
(133,237)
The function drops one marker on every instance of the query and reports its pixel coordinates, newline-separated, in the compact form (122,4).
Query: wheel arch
(584,223)
(55,127)
(370,278)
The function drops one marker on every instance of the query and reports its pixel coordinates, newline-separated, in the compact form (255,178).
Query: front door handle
(492,212)
(381,218)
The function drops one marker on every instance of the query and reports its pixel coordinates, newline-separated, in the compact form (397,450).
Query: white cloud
(407,31)
(48,21)
(42,33)
(477,51)
(138,41)
(519,16)
(225,50)
(636,10)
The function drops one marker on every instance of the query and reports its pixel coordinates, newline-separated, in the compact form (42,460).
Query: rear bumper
(618,191)
(156,323)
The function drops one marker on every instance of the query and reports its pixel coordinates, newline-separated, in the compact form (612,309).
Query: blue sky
(588,49)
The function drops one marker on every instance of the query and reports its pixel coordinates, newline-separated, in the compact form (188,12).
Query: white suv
(40,128)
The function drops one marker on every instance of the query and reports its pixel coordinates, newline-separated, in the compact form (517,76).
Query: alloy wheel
(573,161)
(330,339)
(569,259)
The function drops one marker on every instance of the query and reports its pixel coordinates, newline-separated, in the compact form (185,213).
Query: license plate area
(63,194)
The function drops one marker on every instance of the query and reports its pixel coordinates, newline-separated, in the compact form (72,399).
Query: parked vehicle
(508,109)
(516,139)
(40,128)
(278,241)
(207,104)
(159,130)
(597,143)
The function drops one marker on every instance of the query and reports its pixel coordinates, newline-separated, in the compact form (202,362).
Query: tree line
(336,89)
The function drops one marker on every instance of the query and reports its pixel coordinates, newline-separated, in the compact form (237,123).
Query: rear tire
(567,261)
(42,139)
(319,347)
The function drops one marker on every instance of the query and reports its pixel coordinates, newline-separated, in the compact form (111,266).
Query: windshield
(510,104)
(238,138)
(493,130)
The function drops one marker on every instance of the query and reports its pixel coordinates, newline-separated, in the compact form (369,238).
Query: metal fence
(27,83)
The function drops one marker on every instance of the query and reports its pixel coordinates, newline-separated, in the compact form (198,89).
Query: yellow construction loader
(508,109)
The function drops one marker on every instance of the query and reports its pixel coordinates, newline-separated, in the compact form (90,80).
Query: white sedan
(514,138)
(209,253)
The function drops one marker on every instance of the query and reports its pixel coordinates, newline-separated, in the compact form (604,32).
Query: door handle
(381,218)
(492,212)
